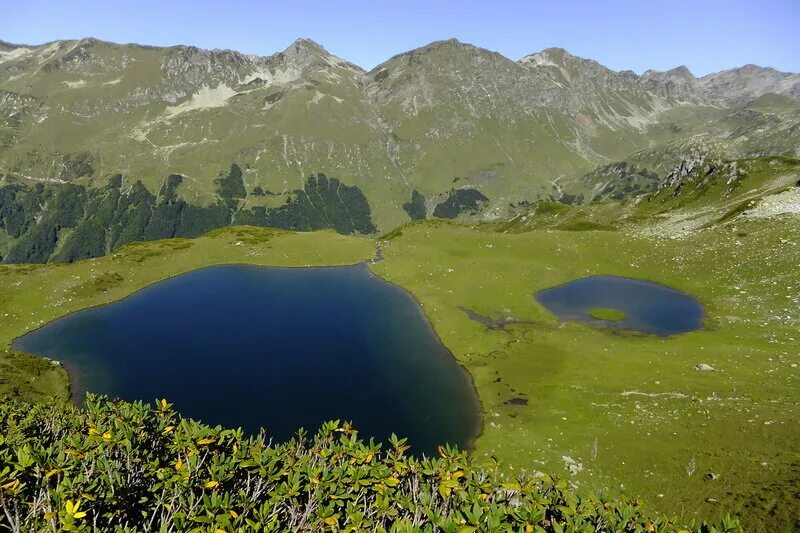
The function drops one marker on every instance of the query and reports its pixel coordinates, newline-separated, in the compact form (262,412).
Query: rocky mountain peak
(681,71)
(553,54)
(677,83)
(444,53)
(678,73)
(570,66)
(749,81)
(443,44)
(304,46)
(306,53)
(445,74)
(573,82)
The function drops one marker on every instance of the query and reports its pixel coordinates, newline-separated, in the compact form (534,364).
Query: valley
(696,424)
(586,277)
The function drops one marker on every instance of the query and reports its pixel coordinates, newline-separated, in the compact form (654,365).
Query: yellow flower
(73,509)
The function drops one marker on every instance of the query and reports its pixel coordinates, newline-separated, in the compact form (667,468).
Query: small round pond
(627,303)
(279,348)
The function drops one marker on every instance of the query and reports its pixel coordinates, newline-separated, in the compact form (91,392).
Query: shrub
(131,466)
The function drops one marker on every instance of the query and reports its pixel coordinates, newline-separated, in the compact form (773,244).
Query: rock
(702,367)
(711,476)
(711,500)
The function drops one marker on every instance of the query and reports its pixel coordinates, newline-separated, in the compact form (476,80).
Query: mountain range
(102,144)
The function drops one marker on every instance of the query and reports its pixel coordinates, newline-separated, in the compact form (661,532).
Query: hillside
(103,144)
(174,473)
(469,180)
(611,412)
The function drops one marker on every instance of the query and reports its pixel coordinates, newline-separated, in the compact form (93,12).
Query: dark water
(649,307)
(273,347)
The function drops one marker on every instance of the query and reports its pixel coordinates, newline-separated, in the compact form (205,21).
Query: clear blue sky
(705,35)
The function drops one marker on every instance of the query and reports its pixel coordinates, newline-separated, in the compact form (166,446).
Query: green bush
(459,201)
(129,466)
(415,208)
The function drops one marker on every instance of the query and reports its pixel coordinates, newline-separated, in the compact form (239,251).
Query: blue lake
(648,307)
(278,348)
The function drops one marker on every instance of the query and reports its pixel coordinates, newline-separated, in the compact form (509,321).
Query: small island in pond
(608,314)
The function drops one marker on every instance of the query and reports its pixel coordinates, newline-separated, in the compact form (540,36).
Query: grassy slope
(631,410)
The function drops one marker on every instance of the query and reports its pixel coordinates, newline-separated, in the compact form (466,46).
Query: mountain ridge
(311,42)
(449,128)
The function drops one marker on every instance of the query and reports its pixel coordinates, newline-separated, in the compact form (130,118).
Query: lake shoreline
(74,375)
(626,304)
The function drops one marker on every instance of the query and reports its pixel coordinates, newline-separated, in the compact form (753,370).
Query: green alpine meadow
(602,268)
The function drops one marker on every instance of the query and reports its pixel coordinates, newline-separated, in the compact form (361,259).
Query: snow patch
(48,51)
(278,77)
(13,54)
(318,96)
(74,84)
(539,60)
(205,98)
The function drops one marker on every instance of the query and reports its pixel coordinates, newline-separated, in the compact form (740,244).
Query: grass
(584,225)
(607,314)
(613,413)
(631,411)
